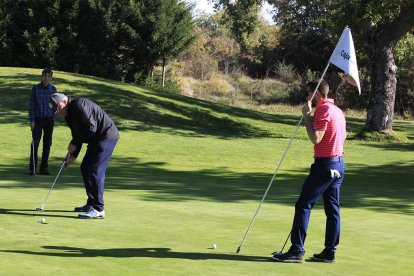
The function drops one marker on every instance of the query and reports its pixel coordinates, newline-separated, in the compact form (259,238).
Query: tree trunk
(380,42)
(226,67)
(150,71)
(164,61)
(383,88)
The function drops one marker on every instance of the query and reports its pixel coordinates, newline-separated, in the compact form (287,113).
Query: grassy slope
(188,173)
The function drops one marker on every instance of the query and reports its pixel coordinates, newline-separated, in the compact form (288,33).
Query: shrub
(286,72)
(217,86)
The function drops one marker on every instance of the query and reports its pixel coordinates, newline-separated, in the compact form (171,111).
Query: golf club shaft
(33,154)
(47,196)
(270,184)
(281,251)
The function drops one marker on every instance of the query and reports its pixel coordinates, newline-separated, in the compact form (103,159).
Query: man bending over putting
(89,124)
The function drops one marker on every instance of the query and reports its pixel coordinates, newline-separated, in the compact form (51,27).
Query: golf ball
(42,220)
(214,246)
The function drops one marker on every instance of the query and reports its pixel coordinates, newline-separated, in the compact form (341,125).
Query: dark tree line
(117,39)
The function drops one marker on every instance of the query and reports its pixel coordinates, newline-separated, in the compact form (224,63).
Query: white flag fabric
(344,57)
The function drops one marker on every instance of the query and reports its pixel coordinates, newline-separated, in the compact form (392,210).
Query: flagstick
(280,163)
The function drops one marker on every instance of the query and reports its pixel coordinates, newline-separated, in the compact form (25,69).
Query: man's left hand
(71,148)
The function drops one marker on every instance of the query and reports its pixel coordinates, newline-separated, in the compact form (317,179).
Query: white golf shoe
(92,214)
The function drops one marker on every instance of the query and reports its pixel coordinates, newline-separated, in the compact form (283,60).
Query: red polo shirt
(329,118)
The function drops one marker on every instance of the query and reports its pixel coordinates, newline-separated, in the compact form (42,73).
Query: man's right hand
(69,160)
(307,108)
(71,149)
(32,125)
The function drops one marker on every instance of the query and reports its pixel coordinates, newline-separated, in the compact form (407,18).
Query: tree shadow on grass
(150,252)
(134,108)
(384,188)
(143,110)
(405,147)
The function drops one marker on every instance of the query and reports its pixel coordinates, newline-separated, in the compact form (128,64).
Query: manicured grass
(187,174)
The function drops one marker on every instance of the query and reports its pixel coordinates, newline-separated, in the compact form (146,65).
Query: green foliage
(254,56)
(201,66)
(169,30)
(42,46)
(286,72)
(88,45)
(154,83)
(259,55)
(306,40)
(28,36)
(210,50)
(241,16)
(115,39)
(404,55)
(377,26)
(304,16)
(404,50)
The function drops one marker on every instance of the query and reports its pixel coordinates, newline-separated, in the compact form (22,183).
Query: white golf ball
(214,246)
(42,220)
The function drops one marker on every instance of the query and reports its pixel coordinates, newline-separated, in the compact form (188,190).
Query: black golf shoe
(85,208)
(288,257)
(44,171)
(325,256)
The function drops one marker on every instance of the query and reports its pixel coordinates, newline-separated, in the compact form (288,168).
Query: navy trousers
(320,181)
(45,126)
(93,167)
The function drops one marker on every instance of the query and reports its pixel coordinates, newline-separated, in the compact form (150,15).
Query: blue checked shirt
(39,101)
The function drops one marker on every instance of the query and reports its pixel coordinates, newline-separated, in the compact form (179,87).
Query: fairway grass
(187,174)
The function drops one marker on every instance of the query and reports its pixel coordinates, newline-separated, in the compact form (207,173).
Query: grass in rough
(189,173)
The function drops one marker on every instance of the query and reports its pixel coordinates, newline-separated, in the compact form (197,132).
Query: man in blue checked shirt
(42,120)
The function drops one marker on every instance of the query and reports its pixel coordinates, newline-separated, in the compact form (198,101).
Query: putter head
(238,250)
(277,253)
(39,209)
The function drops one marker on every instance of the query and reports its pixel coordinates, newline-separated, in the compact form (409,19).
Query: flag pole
(280,163)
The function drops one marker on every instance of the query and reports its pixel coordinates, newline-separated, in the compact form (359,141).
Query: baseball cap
(54,101)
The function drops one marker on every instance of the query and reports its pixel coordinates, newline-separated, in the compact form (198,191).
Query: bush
(201,66)
(216,86)
(266,91)
(286,72)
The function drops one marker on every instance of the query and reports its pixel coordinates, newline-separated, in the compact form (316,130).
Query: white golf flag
(344,57)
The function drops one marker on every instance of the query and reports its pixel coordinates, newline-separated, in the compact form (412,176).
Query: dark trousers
(45,126)
(319,182)
(93,167)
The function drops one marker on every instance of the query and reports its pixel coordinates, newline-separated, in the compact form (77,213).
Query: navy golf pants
(319,182)
(93,167)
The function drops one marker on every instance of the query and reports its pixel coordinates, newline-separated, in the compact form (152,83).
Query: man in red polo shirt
(326,129)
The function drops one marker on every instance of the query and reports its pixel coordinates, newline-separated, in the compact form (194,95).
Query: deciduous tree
(377,25)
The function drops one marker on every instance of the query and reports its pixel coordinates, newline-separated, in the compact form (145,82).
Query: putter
(42,208)
(281,251)
(33,156)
